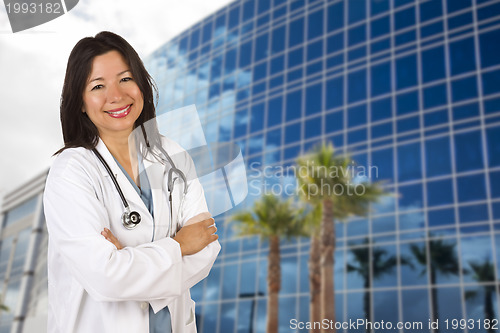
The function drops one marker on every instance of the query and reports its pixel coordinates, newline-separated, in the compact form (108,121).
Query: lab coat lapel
(155,172)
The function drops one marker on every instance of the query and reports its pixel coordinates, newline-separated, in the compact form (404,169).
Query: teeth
(119,112)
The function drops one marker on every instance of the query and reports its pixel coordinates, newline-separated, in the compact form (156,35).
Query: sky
(33,62)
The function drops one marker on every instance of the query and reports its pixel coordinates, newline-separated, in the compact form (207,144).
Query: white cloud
(32,65)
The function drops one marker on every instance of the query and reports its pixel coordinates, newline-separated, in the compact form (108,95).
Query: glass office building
(410,88)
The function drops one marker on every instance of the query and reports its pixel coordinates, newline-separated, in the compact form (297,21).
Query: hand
(110,237)
(195,236)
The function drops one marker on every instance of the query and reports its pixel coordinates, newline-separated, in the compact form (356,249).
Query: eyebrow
(100,78)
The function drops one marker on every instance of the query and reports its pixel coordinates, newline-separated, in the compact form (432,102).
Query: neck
(117,144)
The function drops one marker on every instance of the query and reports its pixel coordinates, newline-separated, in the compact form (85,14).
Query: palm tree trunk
(315,282)
(488,309)
(327,266)
(367,306)
(273,284)
(435,312)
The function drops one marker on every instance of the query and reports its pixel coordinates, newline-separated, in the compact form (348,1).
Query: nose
(114,93)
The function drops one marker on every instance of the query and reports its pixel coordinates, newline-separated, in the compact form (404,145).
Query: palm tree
(484,272)
(443,259)
(271,218)
(325,178)
(381,264)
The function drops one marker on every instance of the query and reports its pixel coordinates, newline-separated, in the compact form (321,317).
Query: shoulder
(72,163)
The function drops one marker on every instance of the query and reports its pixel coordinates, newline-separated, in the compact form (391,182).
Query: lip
(119,112)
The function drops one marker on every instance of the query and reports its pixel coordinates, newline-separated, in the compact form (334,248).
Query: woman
(104,276)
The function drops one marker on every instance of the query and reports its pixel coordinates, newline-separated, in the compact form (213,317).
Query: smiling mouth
(119,113)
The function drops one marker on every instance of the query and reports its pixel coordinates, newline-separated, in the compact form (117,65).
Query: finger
(209,222)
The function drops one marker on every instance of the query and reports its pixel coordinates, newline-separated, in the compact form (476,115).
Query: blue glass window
(381,109)
(292,133)
(380,46)
(356,116)
(234,17)
(493,138)
(261,47)
(245,54)
(357,35)
(248,10)
(335,43)
(383,161)
(436,118)
(456,5)
(296,32)
(440,192)
(380,26)
(357,53)
(471,188)
(379,131)
(468,151)
(295,57)
(315,24)
(491,82)
(381,79)
(437,157)
(313,127)
(410,199)
(495,184)
(273,138)
(490,48)
(441,217)
(465,111)
(475,213)
(407,103)
(260,72)
(356,136)
(430,10)
(464,89)
(408,124)
(195,39)
(405,18)
(334,92)
(315,50)
(278,40)
(357,11)
(462,56)
(459,21)
(357,86)
(257,120)
(406,37)
(293,105)
(409,162)
(263,6)
(216,68)
(435,96)
(274,111)
(336,16)
(406,71)
(277,64)
(378,7)
(240,123)
(334,121)
(230,61)
(207,31)
(432,29)
(492,105)
(314,96)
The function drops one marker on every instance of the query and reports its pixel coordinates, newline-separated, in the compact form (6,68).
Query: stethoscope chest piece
(131,219)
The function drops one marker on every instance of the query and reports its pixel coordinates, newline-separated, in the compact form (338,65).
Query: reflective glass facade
(411,88)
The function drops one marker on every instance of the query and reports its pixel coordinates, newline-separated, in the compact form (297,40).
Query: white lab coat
(93,287)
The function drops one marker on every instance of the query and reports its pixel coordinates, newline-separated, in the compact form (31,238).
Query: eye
(97,87)
(126,79)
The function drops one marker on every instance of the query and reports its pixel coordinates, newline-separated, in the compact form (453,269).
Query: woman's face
(112,99)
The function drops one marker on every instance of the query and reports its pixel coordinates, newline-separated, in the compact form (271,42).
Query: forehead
(108,64)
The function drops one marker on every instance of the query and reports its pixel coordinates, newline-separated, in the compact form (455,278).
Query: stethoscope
(131,219)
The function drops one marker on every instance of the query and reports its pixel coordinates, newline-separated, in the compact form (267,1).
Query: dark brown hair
(78,130)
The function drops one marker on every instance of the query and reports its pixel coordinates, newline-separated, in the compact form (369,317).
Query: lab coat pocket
(190,314)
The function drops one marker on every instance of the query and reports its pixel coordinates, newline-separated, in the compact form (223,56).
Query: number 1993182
(34,8)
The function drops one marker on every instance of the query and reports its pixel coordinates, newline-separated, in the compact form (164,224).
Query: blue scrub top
(160,322)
